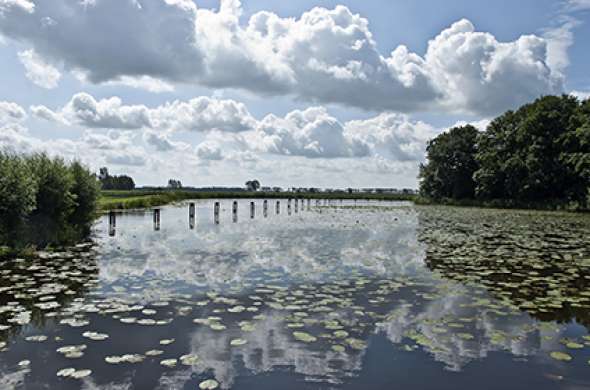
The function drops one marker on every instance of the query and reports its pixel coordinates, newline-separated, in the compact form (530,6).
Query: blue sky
(305,93)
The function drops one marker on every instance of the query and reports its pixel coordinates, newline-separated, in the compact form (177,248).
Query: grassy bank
(137,199)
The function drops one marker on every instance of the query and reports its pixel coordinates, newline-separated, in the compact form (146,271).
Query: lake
(345,295)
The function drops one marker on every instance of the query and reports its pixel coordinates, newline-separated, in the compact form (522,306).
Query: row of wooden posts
(217,209)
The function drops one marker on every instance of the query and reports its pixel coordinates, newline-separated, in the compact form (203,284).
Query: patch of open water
(369,295)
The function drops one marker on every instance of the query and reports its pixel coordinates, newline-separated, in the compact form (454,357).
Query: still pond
(346,295)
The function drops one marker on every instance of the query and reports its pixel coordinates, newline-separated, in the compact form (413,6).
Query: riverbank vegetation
(535,157)
(44,200)
(125,200)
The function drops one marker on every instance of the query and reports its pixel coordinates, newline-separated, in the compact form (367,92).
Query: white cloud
(559,40)
(134,158)
(38,71)
(392,136)
(11,112)
(45,113)
(203,114)
(106,113)
(582,95)
(577,5)
(324,55)
(143,82)
(16,6)
(209,151)
(162,143)
(310,133)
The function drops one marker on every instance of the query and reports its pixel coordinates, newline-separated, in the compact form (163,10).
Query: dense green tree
(54,199)
(172,183)
(17,195)
(85,191)
(575,155)
(252,185)
(451,164)
(519,153)
(44,200)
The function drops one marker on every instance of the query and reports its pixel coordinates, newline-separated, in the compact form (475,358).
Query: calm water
(365,295)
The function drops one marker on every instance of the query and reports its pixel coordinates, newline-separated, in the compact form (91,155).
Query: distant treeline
(44,200)
(536,156)
(108,182)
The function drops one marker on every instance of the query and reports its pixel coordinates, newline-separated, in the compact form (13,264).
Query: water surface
(351,295)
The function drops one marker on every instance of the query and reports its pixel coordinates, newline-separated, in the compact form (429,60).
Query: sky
(305,93)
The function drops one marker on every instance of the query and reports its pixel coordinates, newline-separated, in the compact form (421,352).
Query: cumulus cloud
(134,158)
(11,112)
(106,113)
(38,71)
(42,112)
(582,95)
(143,82)
(314,133)
(324,55)
(199,114)
(310,133)
(209,151)
(392,136)
(203,114)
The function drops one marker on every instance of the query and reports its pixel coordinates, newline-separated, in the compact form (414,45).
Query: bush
(18,189)
(44,200)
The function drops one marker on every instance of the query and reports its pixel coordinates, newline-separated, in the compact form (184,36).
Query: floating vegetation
(453,285)
(305,337)
(95,336)
(129,358)
(561,356)
(169,363)
(237,342)
(73,373)
(189,360)
(208,384)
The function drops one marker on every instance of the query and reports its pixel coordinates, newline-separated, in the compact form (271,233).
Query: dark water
(366,295)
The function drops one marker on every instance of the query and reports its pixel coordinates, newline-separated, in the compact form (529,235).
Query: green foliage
(252,185)
(17,195)
(108,182)
(451,164)
(519,153)
(44,201)
(538,153)
(86,190)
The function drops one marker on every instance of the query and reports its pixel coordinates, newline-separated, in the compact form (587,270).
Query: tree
(451,164)
(85,191)
(575,155)
(172,183)
(18,189)
(519,153)
(252,185)
(109,182)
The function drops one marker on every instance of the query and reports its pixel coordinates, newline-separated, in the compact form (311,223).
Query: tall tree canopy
(540,152)
(451,164)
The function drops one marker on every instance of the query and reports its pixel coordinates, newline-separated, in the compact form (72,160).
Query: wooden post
(289,206)
(216,213)
(265,208)
(278,207)
(234,211)
(156,219)
(296,204)
(191,215)
(112,223)
(252,210)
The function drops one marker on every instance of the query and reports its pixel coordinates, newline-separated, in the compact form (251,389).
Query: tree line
(538,155)
(44,200)
(109,182)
